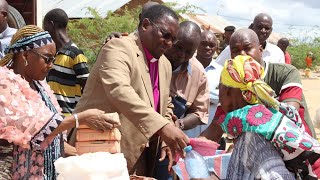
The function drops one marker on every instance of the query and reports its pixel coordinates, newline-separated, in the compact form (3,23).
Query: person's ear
(25,55)
(145,24)
(260,48)
(4,13)
(251,26)
(52,24)
(22,57)
(227,90)
(224,89)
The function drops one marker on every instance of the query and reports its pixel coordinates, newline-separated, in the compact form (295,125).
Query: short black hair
(284,41)
(190,28)
(230,28)
(57,16)
(156,12)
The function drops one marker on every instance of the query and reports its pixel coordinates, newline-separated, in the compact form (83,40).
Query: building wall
(27,9)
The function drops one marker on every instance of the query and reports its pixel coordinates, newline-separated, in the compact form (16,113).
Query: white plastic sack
(93,166)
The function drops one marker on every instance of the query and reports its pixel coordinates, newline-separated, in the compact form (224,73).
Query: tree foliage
(90,33)
(301,46)
(186,9)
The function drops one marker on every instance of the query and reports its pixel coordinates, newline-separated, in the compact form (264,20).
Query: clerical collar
(149,56)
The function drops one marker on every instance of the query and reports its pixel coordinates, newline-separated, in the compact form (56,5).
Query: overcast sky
(298,18)
(295,17)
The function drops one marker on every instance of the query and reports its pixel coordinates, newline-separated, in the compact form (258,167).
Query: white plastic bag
(93,166)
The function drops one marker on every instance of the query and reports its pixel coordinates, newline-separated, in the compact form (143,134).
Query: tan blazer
(190,83)
(120,82)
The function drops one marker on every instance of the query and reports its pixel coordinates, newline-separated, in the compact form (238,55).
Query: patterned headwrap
(245,73)
(26,38)
(32,42)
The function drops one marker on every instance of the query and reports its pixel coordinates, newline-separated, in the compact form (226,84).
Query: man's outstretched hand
(174,138)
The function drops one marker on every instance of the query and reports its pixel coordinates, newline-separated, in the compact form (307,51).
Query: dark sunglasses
(47,59)
(167,36)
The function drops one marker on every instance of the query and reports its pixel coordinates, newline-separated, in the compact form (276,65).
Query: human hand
(178,122)
(99,120)
(115,35)
(166,152)
(174,118)
(175,139)
(69,150)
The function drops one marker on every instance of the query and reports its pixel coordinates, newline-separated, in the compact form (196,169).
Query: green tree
(299,50)
(90,33)
(303,41)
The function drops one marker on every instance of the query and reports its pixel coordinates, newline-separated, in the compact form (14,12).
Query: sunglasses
(167,36)
(47,59)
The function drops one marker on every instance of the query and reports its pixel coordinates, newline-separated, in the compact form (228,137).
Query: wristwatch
(180,124)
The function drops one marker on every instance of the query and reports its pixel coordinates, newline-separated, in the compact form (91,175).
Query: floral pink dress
(27,117)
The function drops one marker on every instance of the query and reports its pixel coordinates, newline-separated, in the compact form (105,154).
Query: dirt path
(311,89)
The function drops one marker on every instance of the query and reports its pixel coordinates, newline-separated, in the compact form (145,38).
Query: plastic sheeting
(93,166)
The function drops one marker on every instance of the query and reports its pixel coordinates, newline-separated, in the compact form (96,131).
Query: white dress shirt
(271,53)
(5,38)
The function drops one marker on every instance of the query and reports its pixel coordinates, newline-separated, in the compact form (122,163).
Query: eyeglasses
(47,59)
(167,36)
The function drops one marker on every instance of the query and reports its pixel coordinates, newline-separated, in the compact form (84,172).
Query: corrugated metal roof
(78,9)
(218,23)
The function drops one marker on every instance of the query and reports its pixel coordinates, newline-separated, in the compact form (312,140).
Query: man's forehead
(187,37)
(243,38)
(263,20)
(208,37)
(167,18)
(167,22)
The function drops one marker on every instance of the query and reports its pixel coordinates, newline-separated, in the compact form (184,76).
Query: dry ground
(311,89)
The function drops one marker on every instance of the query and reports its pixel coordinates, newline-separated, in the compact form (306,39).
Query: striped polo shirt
(69,67)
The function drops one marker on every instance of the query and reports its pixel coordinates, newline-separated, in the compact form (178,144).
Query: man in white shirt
(262,26)
(206,50)
(6,31)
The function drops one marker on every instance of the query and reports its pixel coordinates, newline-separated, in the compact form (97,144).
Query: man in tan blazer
(123,81)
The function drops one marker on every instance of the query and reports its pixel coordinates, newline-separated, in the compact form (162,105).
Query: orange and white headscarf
(245,73)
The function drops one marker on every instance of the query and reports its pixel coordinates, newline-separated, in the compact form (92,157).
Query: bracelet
(181,124)
(77,119)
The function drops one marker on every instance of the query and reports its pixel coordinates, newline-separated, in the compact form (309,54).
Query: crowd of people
(169,82)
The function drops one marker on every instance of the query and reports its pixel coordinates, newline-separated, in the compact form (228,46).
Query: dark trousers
(161,169)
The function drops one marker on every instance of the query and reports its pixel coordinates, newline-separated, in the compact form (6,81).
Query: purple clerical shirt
(154,76)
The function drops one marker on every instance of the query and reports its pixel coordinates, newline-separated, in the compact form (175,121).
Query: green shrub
(299,50)
(90,33)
